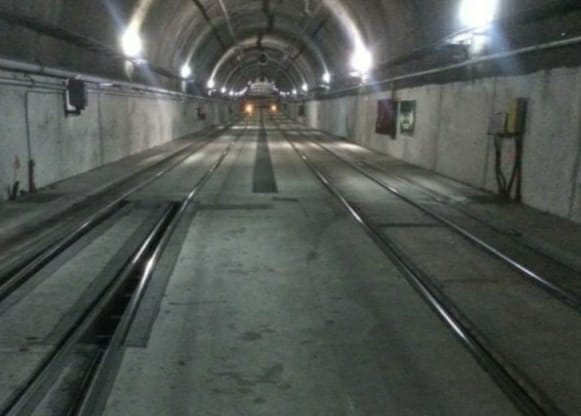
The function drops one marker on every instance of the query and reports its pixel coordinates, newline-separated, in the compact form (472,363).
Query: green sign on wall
(407,117)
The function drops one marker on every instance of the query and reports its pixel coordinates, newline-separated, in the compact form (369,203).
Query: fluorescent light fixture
(305,87)
(327,78)
(476,13)
(186,71)
(211,84)
(223,90)
(295,92)
(362,61)
(131,43)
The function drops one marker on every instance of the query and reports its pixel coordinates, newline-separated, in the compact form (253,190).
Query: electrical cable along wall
(506,126)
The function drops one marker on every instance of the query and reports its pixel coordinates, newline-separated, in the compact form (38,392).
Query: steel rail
(101,383)
(18,274)
(552,288)
(27,400)
(516,236)
(143,263)
(526,397)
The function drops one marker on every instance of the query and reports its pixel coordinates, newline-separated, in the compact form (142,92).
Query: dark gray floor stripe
(264,180)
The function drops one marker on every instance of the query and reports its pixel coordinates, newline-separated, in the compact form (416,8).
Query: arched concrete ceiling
(223,38)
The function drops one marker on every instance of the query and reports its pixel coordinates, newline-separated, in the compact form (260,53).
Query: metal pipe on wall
(37,69)
(494,57)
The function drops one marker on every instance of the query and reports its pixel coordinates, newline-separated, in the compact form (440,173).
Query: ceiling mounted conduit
(211,24)
(271,46)
(284,37)
(239,76)
(239,81)
(295,75)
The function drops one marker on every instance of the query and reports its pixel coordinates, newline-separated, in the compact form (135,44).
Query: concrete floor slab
(287,313)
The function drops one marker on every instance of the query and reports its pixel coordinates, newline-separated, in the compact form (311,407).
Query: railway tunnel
(290,207)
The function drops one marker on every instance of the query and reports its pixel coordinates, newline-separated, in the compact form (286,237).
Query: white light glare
(476,13)
(131,43)
(361,61)
(223,90)
(185,71)
(327,78)
(305,87)
(211,84)
(295,92)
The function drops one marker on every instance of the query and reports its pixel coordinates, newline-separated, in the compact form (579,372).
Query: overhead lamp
(362,61)
(327,78)
(295,92)
(476,13)
(211,84)
(223,90)
(186,71)
(305,87)
(131,43)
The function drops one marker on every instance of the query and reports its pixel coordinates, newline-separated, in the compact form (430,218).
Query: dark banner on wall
(386,117)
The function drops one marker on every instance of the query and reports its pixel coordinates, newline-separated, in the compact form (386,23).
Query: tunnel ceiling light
(211,84)
(295,92)
(186,71)
(305,87)
(223,90)
(327,78)
(131,43)
(476,13)
(362,61)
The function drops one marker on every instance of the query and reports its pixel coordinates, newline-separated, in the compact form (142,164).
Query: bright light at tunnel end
(131,43)
(476,13)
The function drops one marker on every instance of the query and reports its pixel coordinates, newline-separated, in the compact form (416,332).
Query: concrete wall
(451,132)
(112,127)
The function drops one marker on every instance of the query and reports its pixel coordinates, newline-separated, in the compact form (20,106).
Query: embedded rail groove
(20,273)
(135,275)
(525,396)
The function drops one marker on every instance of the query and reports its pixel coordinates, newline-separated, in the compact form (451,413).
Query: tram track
(17,273)
(515,236)
(101,329)
(561,293)
(527,396)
